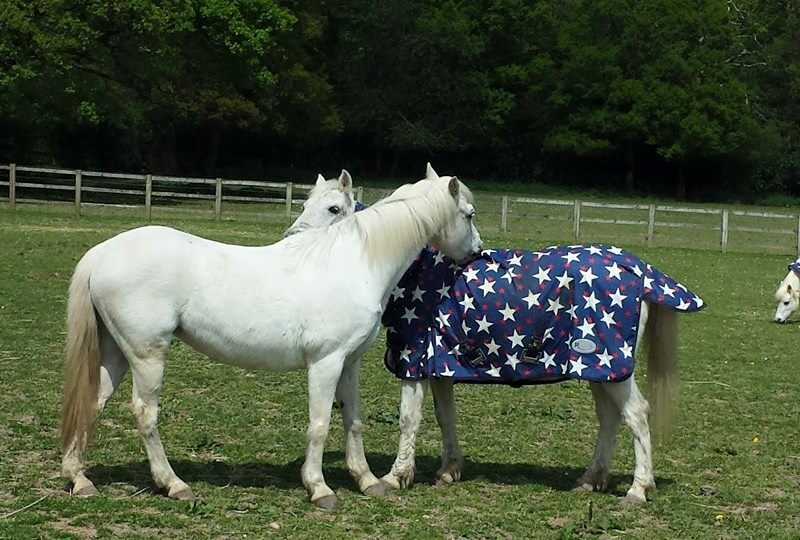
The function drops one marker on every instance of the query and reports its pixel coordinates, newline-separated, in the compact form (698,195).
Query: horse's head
(328,202)
(460,239)
(788,297)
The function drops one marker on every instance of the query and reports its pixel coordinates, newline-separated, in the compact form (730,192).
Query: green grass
(237,437)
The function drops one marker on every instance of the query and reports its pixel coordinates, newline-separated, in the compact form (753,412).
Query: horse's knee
(146,417)
(317,431)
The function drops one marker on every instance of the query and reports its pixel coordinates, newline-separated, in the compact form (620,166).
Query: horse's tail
(82,369)
(661,338)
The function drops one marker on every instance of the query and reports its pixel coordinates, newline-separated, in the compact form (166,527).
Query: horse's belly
(250,352)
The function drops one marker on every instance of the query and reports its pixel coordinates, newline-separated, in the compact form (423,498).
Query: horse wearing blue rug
(518,317)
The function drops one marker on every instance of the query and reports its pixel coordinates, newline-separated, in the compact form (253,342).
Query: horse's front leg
(412,394)
(447,416)
(347,393)
(323,377)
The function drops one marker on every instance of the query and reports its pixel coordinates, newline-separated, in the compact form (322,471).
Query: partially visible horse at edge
(788,293)
(308,301)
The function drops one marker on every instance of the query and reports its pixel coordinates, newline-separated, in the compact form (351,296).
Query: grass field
(238,437)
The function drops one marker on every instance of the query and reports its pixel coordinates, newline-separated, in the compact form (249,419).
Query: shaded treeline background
(691,98)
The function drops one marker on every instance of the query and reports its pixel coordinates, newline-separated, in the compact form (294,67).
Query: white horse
(614,402)
(277,307)
(788,293)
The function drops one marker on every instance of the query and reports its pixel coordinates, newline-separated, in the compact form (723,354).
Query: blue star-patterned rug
(795,266)
(522,317)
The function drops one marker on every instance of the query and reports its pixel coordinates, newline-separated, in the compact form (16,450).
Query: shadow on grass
(287,475)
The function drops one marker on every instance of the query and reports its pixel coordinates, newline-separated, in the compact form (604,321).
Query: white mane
(407,218)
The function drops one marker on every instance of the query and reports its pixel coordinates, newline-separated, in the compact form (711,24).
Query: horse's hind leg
(635,409)
(349,403)
(609,417)
(148,372)
(113,367)
(444,406)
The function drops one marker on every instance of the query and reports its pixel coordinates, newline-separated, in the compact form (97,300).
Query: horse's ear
(453,187)
(345,182)
(430,174)
(320,180)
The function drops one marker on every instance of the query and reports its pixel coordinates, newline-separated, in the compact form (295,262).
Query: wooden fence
(219,190)
(145,189)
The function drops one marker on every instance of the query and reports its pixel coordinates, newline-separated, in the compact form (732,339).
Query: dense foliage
(686,97)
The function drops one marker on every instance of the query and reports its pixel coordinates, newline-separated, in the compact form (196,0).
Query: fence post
(78,180)
(360,194)
(651,224)
(148,195)
(504,213)
(576,216)
(724,240)
(218,200)
(12,186)
(289,187)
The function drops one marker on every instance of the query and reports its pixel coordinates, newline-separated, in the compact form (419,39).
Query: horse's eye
(786,303)
(334,209)
(471,215)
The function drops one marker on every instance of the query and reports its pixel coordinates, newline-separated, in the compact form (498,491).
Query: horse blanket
(795,266)
(521,317)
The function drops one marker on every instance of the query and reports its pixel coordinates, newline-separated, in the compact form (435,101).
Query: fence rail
(646,220)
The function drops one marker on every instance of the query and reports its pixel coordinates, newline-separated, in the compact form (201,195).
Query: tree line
(693,98)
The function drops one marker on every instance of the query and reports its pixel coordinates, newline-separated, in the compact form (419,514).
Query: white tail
(661,338)
(82,369)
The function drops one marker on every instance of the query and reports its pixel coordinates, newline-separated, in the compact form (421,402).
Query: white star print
(698,301)
(542,275)
(587,276)
(416,294)
(494,371)
(409,315)
(487,287)
(570,257)
(648,282)
(548,334)
(515,259)
(683,304)
(443,319)
(509,275)
(615,250)
(577,366)
(608,318)
(447,372)
(512,360)
(470,274)
(637,271)
(549,360)
(571,311)
(594,250)
(617,298)
(468,303)
(555,306)
(532,299)
(398,292)
(591,302)
(493,267)
(605,358)
(438,258)
(516,339)
(492,347)
(586,328)
(405,354)
(444,291)
(564,280)
(488,251)
(614,270)
(627,350)
(484,324)
(667,290)
(508,313)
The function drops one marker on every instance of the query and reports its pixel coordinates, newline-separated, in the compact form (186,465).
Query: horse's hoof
(381,489)
(86,491)
(444,479)
(630,500)
(583,488)
(328,502)
(184,494)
